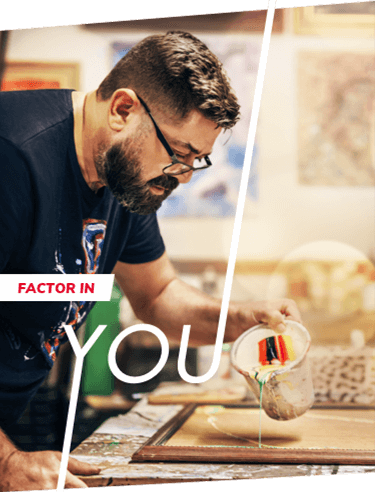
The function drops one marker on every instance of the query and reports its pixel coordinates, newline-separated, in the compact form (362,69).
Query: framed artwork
(19,75)
(336,118)
(214,194)
(349,19)
(230,433)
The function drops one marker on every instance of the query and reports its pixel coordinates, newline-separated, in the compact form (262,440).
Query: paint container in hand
(283,383)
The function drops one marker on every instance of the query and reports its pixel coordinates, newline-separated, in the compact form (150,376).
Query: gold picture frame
(344,20)
(24,75)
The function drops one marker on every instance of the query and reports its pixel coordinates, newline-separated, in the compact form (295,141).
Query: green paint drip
(261,384)
(261,379)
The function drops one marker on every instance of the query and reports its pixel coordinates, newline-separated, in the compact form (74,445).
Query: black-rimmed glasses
(176,167)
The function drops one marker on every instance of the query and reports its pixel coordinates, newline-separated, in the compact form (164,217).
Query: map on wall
(336,122)
(214,191)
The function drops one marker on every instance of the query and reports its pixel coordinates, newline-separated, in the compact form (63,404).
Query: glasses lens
(180,168)
(177,168)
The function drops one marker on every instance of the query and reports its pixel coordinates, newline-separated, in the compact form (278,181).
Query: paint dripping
(260,412)
(262,376)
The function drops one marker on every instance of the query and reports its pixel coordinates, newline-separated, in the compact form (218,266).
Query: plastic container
(288,392)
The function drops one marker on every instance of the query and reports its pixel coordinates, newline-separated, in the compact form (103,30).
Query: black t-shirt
(51,221)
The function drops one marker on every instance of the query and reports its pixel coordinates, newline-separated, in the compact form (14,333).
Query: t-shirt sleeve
(16,204)
(144,242)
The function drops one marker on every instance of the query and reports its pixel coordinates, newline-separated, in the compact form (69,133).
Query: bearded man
(82,178)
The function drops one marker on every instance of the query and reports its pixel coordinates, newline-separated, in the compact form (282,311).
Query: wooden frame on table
(25,75)
(344,20)
(157,448)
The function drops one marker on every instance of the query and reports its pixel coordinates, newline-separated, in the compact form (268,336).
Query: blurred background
(308,230)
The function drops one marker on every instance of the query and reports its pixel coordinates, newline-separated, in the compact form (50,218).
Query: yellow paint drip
(263,373)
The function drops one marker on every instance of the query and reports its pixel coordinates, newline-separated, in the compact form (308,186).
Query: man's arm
(38,470)
(159,298)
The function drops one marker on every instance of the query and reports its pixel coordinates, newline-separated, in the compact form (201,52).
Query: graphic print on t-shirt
(92,243)
(93,235)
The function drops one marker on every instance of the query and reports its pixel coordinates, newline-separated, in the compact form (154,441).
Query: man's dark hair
(175,73)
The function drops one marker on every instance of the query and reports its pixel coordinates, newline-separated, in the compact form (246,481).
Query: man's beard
(119,169)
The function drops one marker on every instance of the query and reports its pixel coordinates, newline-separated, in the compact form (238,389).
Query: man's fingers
(81,468)
(288,310)
(72,482)
(292,312)
(276,321)
(280,328)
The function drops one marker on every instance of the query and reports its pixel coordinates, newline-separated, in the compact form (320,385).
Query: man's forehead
(196,134)
(186,145)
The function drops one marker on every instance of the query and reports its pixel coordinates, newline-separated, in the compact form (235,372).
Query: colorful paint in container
(276,368)
(276,349)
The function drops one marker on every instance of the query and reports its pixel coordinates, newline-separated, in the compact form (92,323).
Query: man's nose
(184,178)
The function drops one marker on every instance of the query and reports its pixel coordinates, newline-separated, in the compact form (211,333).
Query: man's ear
(123,104)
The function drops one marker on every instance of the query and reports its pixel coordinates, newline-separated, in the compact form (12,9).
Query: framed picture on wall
(20,75)
(336,123)
(349,19)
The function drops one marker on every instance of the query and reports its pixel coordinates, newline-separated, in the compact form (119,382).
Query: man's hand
(40,470)
(274,313)
(245,315)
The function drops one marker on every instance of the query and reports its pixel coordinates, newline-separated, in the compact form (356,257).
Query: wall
(288,215)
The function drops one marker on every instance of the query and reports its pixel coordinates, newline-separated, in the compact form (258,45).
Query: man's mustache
(169,183)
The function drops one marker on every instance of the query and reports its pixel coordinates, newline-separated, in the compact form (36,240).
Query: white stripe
(238,217)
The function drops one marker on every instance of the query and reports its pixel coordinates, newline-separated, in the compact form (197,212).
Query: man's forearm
(160,298)
(7,448)
(180,304)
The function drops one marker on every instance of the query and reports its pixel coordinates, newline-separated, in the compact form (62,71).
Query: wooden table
(113,444)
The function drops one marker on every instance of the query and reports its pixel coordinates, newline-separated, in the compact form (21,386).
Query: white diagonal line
(238,217)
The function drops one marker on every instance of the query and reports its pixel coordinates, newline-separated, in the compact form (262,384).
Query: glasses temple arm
(158,132)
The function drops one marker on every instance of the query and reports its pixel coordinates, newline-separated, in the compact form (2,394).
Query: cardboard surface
(330,428)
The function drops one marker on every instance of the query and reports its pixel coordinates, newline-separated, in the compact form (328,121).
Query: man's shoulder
(27,114)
